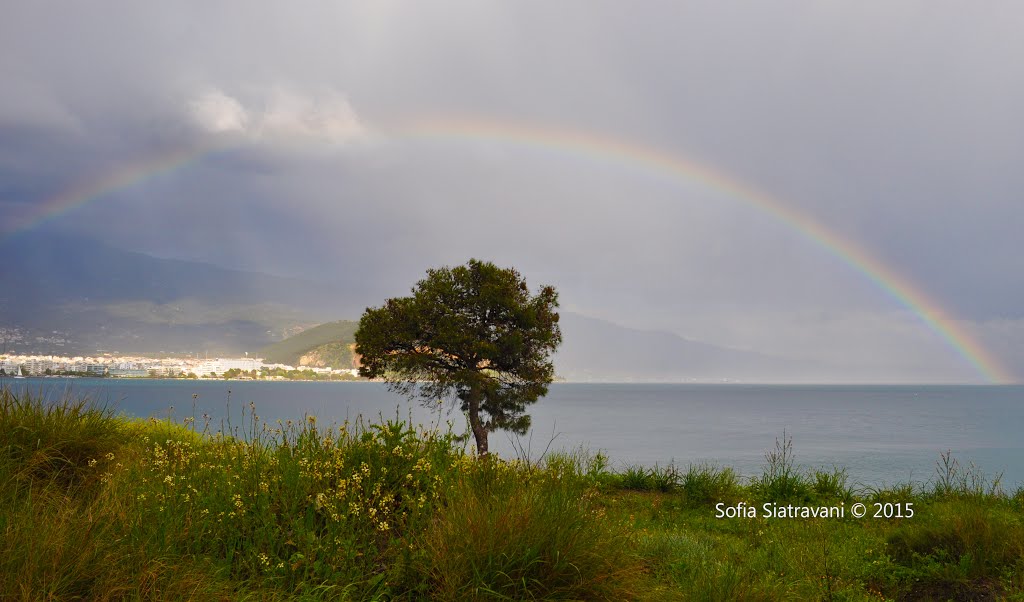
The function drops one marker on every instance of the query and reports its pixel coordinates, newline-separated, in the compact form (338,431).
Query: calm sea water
(881,434)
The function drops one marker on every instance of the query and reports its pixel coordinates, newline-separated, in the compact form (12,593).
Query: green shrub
(708,484)
(60,441)
(831,485)
(665,479)
(636,478)
(295,506)
(580,464)
(1018,497)
(60,547)
(955,480)
(781,479)
(982,539)
(896,493)
(99,507)
(503,534)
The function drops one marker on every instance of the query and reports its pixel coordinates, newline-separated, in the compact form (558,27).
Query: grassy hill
(327,344)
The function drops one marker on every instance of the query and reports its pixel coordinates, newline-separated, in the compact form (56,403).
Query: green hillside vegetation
(329,342)
(95,506)
(336,355)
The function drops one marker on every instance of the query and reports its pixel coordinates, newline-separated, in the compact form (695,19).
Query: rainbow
(605,149)
(652,159)
(128,174)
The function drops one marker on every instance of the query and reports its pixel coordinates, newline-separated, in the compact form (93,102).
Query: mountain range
(70,295)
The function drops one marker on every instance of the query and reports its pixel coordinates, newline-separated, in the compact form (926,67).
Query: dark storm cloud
(896,126)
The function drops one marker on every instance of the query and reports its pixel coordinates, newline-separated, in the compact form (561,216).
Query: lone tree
(473,332)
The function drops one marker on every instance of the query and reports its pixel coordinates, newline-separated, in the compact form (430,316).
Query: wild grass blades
(831,485)
(965,545)
(953,479)
(707,484)
(96,506)
(327,503)
(57,440)
(543,537)
(636,477)
(658,478)
(592,469)
(61,522)
(782,480)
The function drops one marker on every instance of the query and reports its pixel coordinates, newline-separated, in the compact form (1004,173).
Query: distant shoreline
(5,378)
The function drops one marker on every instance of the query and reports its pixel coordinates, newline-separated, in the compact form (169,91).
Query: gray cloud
(896,126)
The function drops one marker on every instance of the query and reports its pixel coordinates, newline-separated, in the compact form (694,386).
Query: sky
(363,143)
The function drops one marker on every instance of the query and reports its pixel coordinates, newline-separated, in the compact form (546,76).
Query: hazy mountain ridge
(597,350)
(71,295)
(61,269)
(78,296)
(593,350)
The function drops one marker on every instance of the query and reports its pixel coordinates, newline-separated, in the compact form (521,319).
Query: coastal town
(119,366)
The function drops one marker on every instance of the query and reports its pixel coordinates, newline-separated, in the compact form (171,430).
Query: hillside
(70,295)
(328,344)
(75,296)
(593,350)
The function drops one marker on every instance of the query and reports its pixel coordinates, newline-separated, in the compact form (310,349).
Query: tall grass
(510,535)
(955,480)
(298,505)
(707,484)
(101,507)
(134,509)
(782,480)
(57,441)
(658,478)
(61,525)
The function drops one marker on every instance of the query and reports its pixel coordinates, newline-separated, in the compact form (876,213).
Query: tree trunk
(479,432)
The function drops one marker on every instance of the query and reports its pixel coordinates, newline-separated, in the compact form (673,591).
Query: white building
(221,365)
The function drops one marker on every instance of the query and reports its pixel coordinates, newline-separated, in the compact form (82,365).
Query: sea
(881,435)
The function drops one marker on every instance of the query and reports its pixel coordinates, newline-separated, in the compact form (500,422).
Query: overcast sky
(895,125)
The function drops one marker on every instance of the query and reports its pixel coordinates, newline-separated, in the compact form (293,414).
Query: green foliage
(831,485)
(297,510)
(635,478)
(61,521)
(306,374)
(295,504)
(508,535)
(336,335)
(953,479)
(985,539)
(55,440)
(707,484)
(473,332)
(962,550)
(639,478)
(782,480)
(580,464)
(894,493)
(56,547)
(336,354)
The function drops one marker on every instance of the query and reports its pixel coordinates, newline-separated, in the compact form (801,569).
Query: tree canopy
(473,333)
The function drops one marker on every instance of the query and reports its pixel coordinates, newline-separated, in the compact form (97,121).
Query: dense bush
(707,484)
(59,441)
(512,534)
